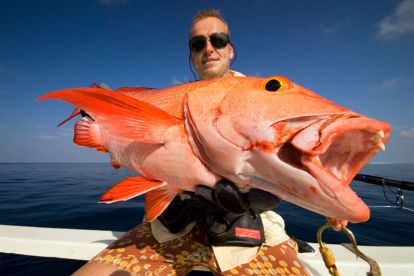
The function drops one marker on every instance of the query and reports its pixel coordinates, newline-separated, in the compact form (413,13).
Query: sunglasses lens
(219,40)
(197,43)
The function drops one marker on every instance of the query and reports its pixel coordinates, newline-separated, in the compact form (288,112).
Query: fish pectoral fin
(119,114)
(87,134)
(157,201)
(130,187)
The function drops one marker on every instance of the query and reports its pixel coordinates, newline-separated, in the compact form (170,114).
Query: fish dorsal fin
(122,90)
(119,114)
(127,90)
(157,201)
(75,113)
(129,188)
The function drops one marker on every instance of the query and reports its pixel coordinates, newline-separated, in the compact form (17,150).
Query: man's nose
(209,48)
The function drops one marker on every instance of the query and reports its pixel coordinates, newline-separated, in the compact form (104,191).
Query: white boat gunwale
(78,244)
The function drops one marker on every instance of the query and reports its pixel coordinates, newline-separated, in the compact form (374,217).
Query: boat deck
(84,244)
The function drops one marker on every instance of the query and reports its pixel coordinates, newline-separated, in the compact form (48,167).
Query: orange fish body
(269,134)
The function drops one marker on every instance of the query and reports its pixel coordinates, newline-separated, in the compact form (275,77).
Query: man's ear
(231,51)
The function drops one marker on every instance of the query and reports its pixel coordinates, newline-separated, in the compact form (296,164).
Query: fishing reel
(386,182)
(399,199)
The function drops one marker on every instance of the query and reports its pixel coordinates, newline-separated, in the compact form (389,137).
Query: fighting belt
(228,216)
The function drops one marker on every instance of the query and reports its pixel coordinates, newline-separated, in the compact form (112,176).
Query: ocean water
(66,195)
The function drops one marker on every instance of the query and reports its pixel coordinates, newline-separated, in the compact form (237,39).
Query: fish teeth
(377,138)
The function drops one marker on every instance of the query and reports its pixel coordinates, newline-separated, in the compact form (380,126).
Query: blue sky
(359,54)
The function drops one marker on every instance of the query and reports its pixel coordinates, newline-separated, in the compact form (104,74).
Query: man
(210,46)
(211,52)
(191,233)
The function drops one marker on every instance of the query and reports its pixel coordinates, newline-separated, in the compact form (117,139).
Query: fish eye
(272,85)
(276,83)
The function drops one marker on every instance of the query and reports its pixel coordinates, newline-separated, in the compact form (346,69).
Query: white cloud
(4,70)
(65,132)
(401,22)
(391,84)
(177,81)
(395,83)
(407,133)
(58,133)
(46,137)
(334,27)
(329,29)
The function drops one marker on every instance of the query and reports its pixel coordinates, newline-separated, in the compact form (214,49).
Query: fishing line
(399,200)
(385,194)
(391,206)
(399,197)
(191,67)
(235,55)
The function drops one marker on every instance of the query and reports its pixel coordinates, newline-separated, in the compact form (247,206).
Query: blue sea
(66,195)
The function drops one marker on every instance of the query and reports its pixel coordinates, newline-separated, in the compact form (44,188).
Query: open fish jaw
(332,151)
(346,144)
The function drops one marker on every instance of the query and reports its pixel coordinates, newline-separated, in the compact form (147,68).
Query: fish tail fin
(120,114)
(129,188)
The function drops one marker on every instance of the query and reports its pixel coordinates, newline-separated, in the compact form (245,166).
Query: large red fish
(269,134)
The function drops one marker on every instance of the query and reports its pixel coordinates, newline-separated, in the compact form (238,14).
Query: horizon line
(98,162)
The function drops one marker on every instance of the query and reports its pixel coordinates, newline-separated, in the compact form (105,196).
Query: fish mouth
(332,150)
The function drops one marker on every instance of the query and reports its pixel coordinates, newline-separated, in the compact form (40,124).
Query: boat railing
(80,244)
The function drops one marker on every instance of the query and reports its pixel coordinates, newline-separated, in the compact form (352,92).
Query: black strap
(228,216)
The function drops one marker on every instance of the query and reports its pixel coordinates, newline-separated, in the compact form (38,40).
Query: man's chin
(211,72)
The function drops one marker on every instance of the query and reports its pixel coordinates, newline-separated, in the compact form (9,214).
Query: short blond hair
(203,14)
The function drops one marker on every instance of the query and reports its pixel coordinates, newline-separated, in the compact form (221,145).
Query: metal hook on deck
(344,229)
(327,255)
(329,259)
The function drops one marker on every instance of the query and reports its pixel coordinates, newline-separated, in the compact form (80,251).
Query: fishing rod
(381,181)
(404,185)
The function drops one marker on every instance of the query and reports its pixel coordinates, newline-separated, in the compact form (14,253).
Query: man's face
(211,62)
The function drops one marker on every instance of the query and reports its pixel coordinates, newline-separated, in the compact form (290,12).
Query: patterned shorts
(140,254)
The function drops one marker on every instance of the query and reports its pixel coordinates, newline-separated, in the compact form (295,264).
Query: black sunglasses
(218,40)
